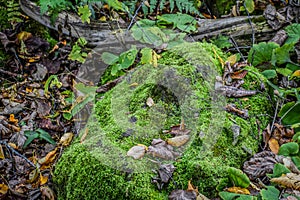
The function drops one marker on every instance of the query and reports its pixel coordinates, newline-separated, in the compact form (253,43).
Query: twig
(237,48)
(10,73)
(15,152)
(250,22)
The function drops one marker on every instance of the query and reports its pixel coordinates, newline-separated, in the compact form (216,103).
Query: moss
(182,86)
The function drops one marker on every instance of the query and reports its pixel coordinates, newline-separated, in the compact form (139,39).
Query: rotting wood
(107,34)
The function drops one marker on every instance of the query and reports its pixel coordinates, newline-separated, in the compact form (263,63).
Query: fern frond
(13,12)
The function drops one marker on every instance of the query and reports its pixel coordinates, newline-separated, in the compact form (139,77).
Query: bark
(241,29)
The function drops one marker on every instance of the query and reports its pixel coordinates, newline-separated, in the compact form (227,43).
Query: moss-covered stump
(181,87)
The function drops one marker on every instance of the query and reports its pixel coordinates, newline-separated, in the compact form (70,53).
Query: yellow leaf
(274,145)
(49,158)
(66,139)
(178,140)
(3,189)
(296,74)
(238,190)
(12,118)
(43,179)
(24,36)
(232,59)
(13,145)
(1,153)
(103,19)
(133,84)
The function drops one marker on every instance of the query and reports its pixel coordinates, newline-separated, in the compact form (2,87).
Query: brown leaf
(178,130)
(274,145)
(161,149)
(290,180)
(137,151)
(238,190)
(178,140)
(261,164)
(239,74)
(182,195)
(47,192)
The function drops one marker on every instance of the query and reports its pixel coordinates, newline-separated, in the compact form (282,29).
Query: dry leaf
(43,179)
(1,153)
(66,139)
(150,102)
(239,74)
(12,119)
(274,145)
(84,135)
(182,195)
(238,190)
(178,140)
(34,174)
(289,180)
(3,189)
(49,158)
(161,149)
(137,151)
(47,192)
(13,145)
(177,130)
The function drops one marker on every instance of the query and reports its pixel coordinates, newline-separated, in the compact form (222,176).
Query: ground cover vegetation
(170,120)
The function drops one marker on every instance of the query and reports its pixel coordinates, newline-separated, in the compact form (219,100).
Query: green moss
(182,86)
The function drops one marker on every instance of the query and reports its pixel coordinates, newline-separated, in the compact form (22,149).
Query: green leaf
(238,178)
(271,193)
(67,115)
(234,196)
(146,55)
(116,4)
(289,149)
(284,71)
(85,89)
(183,22)
(127,58)
(296,161)
(289,113)
(269,73)
(261,53)
(44,135)
(31,135)
(249,4)
(109,58)
(278,170)
(84,13)
(281,55)
(222,42)
(293,32)
(296,137)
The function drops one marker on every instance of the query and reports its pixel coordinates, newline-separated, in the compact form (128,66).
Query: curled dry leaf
(261,164)
(178,140)
(291,180)
(66,139)
(43,179)
(137,151)
(178,130)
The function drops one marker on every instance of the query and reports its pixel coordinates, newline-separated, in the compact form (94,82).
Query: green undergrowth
(181,86)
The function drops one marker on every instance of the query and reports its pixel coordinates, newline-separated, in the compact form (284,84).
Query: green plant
(77,52)
(120,63)
(187,6)
(13,12)
(275,62)
(37,134)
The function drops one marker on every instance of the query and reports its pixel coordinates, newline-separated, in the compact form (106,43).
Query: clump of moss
(182,86)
